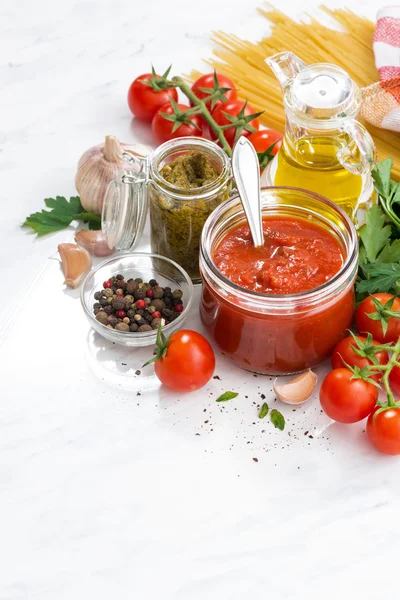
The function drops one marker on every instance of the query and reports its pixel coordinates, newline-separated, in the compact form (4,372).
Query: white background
(105,493)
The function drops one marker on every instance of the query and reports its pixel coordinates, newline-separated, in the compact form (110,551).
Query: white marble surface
(108,494)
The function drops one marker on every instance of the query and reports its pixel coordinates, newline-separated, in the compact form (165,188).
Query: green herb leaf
(381,278)
(277,419)
(227,396)
(62,213)
(264,411)
(381,176)
(390,253)
(374,233)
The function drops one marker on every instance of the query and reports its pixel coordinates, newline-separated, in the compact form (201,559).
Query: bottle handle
(358,157)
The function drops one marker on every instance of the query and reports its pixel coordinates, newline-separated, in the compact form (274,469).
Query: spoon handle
(246,171)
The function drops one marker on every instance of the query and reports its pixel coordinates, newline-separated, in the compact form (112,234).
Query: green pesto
(176,225)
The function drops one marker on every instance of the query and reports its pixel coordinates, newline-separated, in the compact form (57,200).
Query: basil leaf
(264,411)
(227,396)
(277,419)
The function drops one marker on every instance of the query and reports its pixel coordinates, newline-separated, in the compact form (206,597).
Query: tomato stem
(388,367)
(203,111)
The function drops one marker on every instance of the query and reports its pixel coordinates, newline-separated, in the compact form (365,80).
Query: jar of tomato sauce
(284,313)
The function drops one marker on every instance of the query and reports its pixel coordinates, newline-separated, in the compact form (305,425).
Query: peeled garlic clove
(298,390)
(76,262)
(94,241)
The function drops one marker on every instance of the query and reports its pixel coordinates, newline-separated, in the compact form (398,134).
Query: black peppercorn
(102,317)
(103,301)
(176,301)
(120,277)
(131,286)
(97,305)
(139,294)
(167,291)
(97,296)
(166,312)
(108,309)
(142,322)
(158,291)
(119,304)
(155,323)
(133,327)
(140,312)
(131,313)
(112,320)
(158,304)
(153,282)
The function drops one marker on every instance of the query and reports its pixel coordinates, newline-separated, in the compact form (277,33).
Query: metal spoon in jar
(246,171)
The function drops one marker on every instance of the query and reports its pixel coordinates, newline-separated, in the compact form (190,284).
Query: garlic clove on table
(76,262)
(94,241)
(298,390)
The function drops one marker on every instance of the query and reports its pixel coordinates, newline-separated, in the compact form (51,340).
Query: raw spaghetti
(351,48)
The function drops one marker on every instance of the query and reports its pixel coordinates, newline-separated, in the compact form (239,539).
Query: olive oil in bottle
(313,165)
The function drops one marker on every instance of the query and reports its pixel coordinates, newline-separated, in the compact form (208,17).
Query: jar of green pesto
(183,181)
(189,178)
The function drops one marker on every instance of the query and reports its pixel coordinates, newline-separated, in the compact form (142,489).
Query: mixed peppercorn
(133,305)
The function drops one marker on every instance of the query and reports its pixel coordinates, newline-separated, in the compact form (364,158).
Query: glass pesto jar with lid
(182,181)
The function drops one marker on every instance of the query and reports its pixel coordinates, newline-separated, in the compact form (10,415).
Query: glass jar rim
(286,301)
(189,142)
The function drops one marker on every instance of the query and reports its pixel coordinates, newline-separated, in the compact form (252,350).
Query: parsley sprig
(379,268)
(62,213)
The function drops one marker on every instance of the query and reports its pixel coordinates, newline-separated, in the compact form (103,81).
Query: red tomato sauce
(297,256)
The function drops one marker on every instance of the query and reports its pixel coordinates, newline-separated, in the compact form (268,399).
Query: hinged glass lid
(125,204)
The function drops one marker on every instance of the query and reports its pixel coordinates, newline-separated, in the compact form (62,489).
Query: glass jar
(278,334)
(177,215)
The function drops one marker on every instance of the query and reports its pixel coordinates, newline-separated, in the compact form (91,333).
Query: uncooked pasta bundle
(348,45)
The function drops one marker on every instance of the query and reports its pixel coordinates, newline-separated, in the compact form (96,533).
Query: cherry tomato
(144,101)
(208,81)
(365,324)
(162,128)
(262,141)
(188,364)
(394,380)
(383,430)
(344,351)
(345,399)
(233,108)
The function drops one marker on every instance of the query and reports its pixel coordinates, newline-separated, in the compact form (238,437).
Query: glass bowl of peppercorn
(128,296)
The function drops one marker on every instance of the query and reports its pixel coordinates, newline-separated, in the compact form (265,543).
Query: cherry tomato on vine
(345,351)
(185,362)
(267,143)
(384,326)
(345,398)
(148,93)
(383,430)
(211,82)
(240,113)
(394,380)
(175,124)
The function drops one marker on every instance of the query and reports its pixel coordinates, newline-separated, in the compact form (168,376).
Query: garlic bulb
(97,167)
(76,262)
(298,390)
(94,241)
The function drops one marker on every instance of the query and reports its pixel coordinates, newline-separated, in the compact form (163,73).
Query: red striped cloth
(381,101)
